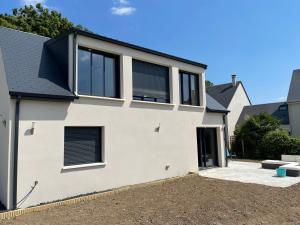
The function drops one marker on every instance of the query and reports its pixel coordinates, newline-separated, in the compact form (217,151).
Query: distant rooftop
(294,91)
(278,109)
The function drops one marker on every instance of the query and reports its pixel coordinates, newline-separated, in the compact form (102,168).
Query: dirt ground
(188,200)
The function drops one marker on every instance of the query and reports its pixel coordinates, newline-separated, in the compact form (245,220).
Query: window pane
(151,81)
(194,90)
(110,77)
(84,72)
(97,75)
(82,145)
(185,89)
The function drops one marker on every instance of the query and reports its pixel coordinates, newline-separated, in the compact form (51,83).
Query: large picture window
(150,82)
(98,74)
(83,145)
(189,89)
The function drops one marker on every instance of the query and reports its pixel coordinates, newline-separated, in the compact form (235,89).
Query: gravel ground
(188,200)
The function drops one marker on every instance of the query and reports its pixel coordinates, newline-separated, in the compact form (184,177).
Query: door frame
(220,143)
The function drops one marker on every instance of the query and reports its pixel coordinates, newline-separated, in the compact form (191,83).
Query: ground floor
(189,200)
(70,149)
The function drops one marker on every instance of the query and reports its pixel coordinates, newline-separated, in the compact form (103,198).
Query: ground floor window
(82,145)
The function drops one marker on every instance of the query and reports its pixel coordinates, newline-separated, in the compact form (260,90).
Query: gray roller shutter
(82,145)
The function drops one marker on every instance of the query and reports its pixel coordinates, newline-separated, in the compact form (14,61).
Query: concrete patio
(249,172)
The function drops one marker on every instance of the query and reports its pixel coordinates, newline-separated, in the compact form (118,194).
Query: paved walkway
(248,172)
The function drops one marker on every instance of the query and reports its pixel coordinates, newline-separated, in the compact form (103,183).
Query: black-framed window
(98,73)
(82,145)
(150,82)
(189,84)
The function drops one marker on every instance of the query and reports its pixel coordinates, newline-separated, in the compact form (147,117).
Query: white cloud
(123,11)
(122,2)
(281,98)
(32,2)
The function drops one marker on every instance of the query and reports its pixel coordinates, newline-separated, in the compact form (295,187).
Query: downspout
(16,152)
(74,60)
(226,137)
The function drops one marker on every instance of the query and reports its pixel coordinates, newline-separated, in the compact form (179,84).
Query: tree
(252,132)
(38,20)
(208,84)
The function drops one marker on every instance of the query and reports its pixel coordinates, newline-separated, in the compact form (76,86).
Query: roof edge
(128,45)
(35,96)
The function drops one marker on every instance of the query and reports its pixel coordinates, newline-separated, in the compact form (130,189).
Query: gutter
(74,60)
(16,152)
(226,137)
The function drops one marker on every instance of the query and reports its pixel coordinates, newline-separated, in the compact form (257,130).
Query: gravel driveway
(189,200)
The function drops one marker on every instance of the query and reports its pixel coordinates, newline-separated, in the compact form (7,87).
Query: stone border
(18,212)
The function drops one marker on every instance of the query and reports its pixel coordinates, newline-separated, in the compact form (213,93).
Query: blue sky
(258,40)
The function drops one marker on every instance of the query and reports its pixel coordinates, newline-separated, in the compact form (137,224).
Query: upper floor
(81,64)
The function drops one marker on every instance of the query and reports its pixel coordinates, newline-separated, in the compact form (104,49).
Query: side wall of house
(4,134)
(294,114)
(235,107)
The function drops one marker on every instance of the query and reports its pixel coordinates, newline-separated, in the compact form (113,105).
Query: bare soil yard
(188,200)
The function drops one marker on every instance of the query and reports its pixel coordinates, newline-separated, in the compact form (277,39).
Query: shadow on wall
(149,105)
(98,101)
(44,110)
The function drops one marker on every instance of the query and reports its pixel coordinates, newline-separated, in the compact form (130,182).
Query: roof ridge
(8,28)
(271,103)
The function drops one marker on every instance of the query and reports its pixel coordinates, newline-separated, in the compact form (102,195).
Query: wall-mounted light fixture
(2,119)
(157,129)
(32,128)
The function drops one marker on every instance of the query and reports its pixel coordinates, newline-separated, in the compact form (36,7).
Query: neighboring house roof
(213,106)
(278,110)
(30,68)
(224,93)
(294,92)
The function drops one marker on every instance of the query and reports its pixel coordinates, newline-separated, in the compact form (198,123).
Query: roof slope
(278,110)
(29,66)
(213,106)
(223,93)
(294,91)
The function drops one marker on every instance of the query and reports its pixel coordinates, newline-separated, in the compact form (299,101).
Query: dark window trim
(117,69)
(142,98)
(102,147)
(181,72)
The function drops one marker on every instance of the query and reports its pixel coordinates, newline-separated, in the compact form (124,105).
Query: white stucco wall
(134,151)
(235,107)
(4,134)
(294,114)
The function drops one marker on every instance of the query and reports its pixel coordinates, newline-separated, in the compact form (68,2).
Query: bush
(274,144)
(252,132)
(278,142)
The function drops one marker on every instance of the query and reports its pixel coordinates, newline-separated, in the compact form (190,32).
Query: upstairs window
(150,82)
(98,74)
(189,89)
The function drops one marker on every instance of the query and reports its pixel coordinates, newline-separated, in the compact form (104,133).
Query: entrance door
(207,147)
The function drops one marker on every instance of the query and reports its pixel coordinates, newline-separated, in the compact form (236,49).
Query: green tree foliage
(253,130)
(208,84)
(264,139)
(38,20)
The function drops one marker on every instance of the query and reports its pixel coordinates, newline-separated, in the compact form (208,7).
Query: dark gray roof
(294,92)
(278,110)
(30,68)
(224,93)
(213,106)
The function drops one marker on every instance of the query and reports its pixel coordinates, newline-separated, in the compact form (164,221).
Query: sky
(259,40)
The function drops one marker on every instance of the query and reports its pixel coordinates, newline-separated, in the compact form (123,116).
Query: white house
(83,113)
(293,101)
(233,96)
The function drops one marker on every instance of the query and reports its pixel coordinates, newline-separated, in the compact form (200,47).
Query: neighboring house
(279,110)
(293,101)
(234,98)
(83,113)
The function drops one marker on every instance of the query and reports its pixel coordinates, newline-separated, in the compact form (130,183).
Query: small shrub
(274,144)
